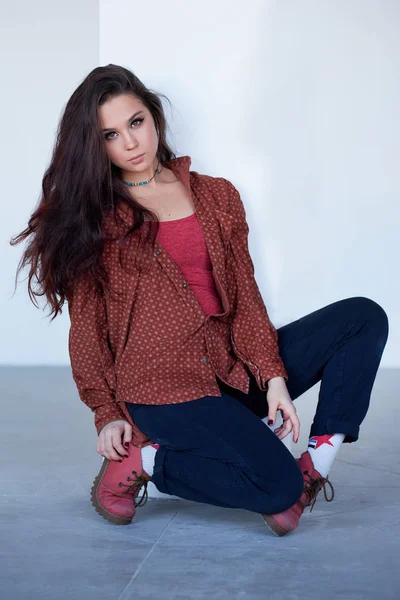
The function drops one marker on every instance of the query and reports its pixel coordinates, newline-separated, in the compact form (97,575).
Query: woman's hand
(278,399)
(111,438)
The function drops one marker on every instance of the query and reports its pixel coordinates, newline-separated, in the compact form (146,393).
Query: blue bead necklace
(143,182)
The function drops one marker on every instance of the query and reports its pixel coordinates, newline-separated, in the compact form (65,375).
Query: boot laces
(138,482)
(312,487)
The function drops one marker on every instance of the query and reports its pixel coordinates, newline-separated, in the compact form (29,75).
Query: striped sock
(323,449)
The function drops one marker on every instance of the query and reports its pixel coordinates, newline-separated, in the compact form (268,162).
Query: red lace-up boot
(117,486)
(282,523)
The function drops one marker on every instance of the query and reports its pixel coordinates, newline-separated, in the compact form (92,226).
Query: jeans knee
(375,314)
(383,322)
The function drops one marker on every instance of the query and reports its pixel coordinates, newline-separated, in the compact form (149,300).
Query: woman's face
(130,131)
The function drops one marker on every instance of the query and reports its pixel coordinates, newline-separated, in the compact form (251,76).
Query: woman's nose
(129,141)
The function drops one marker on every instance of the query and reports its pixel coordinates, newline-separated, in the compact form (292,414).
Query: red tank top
(184,241)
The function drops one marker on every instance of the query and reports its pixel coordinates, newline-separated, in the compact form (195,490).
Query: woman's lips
(138,159)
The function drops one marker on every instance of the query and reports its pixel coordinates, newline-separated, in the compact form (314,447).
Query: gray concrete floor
(55,546)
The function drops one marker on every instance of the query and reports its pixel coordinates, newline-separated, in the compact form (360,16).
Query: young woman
(171,344)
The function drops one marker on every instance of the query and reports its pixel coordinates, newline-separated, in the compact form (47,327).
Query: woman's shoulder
(223,192)
(215,184)
(214,181)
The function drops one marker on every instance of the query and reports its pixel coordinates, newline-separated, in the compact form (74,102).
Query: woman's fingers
(111,437)
(113,449)
(120,448)
(296,428)
(111,454)
(287,426)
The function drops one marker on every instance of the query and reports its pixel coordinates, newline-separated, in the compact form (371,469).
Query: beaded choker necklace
(144,182)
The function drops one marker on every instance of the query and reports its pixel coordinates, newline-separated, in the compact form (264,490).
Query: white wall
(297,104)
(46,49)
(294,102)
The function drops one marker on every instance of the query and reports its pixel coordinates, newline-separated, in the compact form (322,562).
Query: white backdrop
(295,102)
(46,49)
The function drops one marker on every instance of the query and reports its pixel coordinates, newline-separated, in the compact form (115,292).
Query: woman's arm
(91,359)
(271,364)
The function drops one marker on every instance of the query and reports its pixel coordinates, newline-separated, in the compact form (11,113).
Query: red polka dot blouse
(193,315)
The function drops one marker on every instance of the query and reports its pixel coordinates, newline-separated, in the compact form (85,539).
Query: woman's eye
(107,136)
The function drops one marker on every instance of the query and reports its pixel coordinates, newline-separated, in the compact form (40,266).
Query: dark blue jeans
(217,450)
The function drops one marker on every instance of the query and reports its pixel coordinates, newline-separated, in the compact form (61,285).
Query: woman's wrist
(274,381)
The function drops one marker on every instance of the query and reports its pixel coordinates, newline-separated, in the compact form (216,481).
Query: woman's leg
(215,450)
(340,345)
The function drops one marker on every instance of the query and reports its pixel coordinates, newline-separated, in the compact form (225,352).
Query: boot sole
(96,503)
(273,525)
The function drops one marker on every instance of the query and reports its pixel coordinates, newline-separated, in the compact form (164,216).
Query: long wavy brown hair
(80,186)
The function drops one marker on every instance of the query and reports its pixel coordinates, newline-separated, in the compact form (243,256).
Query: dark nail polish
(126,444)
(120,460)
(270,422)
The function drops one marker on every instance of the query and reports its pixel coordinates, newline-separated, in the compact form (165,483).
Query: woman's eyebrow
(130,119)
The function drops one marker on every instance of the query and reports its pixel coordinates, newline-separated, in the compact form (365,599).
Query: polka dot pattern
(154,343)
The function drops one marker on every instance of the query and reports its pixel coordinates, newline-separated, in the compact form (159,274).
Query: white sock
(323,449)
(148,458)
